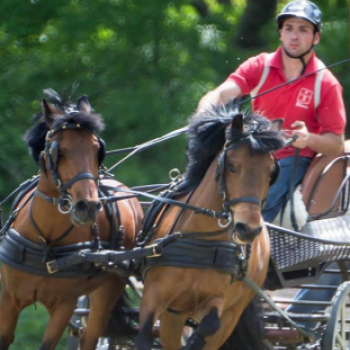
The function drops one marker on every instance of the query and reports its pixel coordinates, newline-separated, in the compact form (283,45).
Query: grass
(32,323)
(31,328)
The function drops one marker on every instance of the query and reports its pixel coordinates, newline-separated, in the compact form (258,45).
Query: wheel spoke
(340,341)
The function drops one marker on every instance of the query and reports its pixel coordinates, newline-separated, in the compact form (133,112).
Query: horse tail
(249,331)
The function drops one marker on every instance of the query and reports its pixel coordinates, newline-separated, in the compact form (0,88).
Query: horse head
(70,153)
(246,168)
(239,148)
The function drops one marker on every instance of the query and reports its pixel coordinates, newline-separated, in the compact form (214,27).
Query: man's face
(297,35)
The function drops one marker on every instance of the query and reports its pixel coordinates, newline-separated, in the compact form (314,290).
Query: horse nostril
(242,228)
(245,232)
(99,206)
(81,206)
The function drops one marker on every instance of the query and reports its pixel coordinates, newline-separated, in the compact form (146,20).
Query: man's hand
(303,135)
(220,96)
(327,143)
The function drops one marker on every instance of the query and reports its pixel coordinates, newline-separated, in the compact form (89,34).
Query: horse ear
(49,111)
(276,124)
(83,105)
(237,122)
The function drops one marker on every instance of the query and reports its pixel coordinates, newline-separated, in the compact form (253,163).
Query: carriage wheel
(337,332)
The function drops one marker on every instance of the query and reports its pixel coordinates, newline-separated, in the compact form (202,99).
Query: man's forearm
(327,144)
(223,94)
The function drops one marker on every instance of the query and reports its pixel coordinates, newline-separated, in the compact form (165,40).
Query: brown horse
(61,213)
(197,275)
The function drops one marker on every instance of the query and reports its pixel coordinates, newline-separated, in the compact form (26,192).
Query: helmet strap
(300,57)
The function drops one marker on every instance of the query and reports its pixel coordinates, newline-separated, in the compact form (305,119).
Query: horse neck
(207,192)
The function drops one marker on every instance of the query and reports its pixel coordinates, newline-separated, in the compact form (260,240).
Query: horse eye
(231,168)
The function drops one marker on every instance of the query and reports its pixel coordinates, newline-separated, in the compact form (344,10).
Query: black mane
(208,133)
(68,113)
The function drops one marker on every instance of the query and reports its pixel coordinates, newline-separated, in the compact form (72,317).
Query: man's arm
(222,95)
(327,144)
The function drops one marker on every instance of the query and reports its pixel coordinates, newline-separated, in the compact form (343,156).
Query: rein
(292,81)
(135,149)
(145,145)
(225,214)
(197,210)
(253,286)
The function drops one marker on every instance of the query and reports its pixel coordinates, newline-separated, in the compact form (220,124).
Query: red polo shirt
(295,101)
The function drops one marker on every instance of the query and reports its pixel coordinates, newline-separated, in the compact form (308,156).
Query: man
(312,107)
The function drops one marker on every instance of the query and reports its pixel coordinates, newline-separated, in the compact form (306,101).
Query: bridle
(51,153)
(221,179)
(64,202)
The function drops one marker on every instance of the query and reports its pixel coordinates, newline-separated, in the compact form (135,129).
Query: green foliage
(143,65)
(144,69)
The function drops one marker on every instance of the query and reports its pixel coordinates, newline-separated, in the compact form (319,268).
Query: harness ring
(65,203)
(175,174)
(229,221)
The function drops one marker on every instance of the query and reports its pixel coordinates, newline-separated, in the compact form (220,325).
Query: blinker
(54,152)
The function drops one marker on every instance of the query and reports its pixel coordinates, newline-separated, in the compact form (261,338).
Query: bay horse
(198,274)
(61,213)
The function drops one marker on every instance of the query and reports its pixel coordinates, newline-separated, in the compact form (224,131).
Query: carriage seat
(321,186)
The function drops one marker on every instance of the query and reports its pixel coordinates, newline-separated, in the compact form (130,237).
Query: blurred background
(143,65)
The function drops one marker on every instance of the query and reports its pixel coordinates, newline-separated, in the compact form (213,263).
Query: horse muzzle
(85,212)
(244,234)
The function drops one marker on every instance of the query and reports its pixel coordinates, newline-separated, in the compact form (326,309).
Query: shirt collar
(276,61)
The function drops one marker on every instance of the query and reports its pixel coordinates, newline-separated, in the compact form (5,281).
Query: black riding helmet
(301,9)
(305,10)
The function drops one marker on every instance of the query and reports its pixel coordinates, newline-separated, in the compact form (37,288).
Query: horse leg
(149,314)
(9,314)
(171,329)
(229,321)
(248,333)
(208,326)
(102,303)
(60,314)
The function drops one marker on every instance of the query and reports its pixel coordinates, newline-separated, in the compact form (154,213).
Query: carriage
(298,260)
(233,255)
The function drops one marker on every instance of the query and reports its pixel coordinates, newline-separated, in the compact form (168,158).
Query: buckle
(51,266)
(154,251)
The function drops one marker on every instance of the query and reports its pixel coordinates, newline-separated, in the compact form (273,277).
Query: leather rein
(224,214)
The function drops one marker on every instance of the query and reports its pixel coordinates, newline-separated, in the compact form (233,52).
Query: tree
(257,14)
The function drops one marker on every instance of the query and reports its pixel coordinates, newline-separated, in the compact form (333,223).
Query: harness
(28,256)
(193,252)
(201,254)
(25,255)
(225,256)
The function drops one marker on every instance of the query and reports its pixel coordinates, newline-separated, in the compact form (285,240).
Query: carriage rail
(291,250)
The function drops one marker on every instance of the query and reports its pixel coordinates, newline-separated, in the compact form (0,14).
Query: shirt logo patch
(304,98)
